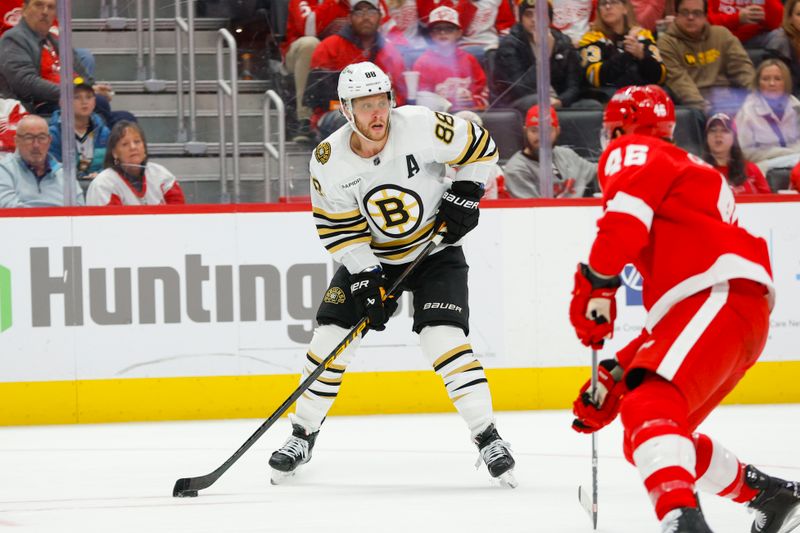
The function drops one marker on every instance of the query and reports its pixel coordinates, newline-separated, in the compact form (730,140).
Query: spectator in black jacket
(616,52)
(515,64)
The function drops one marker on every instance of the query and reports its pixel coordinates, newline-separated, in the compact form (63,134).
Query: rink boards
(205,312)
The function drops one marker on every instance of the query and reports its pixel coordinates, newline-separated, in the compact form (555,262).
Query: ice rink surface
(411,473)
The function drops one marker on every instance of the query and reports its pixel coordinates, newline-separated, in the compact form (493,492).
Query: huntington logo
(5,299)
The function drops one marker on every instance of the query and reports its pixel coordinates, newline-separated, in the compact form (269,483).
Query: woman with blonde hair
(784,43)
(616,52)
(769,120)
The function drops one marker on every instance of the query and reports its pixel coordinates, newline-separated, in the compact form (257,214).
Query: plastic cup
(411,78)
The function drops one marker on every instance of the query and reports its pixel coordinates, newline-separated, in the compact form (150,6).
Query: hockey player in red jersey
(708,292)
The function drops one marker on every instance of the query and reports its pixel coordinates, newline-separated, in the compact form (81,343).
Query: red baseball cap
(532,118)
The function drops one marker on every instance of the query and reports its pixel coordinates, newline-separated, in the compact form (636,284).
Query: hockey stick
(188,486)
(590,505)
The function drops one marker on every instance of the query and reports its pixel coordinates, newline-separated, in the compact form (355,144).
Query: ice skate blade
(278,477)
(508,480)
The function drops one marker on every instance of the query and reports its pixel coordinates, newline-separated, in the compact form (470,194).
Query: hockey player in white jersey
(378,195)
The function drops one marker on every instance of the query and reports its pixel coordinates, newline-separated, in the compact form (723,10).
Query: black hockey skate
(684,520)
(496,453)
(777,506)
(295,451)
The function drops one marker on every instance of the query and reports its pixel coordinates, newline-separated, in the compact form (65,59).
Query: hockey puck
(187,494)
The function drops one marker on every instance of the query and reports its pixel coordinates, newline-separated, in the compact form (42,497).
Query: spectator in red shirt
(722,151)
(359,40)
(447,70)
(794,178)
(310,21)
(749,20)
(483,23)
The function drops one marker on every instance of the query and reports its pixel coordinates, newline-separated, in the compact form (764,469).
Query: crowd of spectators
(458,56)
(482,54)
(109,169)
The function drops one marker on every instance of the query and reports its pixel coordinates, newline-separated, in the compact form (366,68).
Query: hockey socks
(720,472)
(657,441)
(314,404)
(452,358)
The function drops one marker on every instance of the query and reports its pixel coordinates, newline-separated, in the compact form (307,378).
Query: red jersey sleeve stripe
(633,206)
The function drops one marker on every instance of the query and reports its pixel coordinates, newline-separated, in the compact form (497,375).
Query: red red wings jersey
(674,217)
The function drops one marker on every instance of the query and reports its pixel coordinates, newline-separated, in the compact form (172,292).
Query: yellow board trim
(150,399)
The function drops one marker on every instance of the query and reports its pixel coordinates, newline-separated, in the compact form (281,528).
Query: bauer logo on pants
(5,298)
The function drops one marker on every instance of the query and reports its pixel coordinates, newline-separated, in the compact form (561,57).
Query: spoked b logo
(395,211)
(633,285)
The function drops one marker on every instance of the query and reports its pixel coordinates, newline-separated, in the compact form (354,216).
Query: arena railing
(186,25)
(232,91)
(147,75)
(279,153)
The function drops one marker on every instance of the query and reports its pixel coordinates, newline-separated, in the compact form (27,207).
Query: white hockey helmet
(362,79)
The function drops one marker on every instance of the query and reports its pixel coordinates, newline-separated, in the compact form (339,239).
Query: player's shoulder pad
(330,161)
(591,37)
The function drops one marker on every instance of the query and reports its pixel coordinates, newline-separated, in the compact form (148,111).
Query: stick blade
(183,489)
(588,505)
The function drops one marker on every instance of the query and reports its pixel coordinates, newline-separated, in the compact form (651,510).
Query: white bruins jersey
(382,208)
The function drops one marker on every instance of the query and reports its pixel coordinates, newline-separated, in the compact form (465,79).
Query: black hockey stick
(188,486)
(590,505)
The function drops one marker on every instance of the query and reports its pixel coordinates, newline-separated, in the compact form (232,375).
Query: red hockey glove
(593,308)
(592,414)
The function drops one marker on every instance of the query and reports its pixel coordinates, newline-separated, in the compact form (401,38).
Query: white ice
(373,474)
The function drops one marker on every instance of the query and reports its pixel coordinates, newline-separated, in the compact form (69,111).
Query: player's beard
(367,132)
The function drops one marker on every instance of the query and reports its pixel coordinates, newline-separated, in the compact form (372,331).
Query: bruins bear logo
(323,153)
(335,295)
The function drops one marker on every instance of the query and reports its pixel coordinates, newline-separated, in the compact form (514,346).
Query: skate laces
(759,520)
(670,522)
(295,447)
(493,451)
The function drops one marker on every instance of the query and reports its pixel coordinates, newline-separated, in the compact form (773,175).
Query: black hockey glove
(368,292)
(459,209)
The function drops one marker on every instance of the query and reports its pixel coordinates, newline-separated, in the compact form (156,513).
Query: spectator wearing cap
(784,43)
(447,70)
(571,173)
(750,21)
(707,67)
(357,41)
(515,64)
(31,177)
(721,150)
(483,23)
(91,133)
(768,123)
(309,22)
(617,52)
